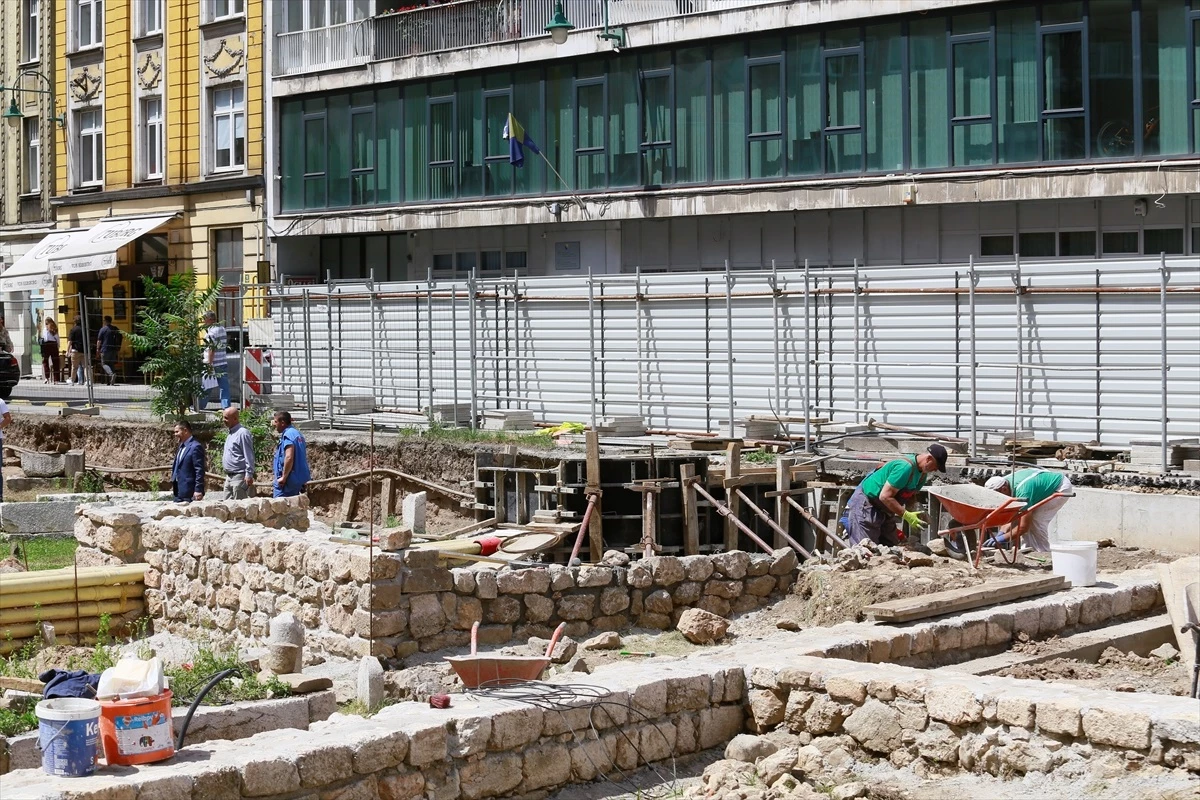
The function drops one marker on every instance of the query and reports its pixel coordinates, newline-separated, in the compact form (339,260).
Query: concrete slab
(28,519)
(1166,522)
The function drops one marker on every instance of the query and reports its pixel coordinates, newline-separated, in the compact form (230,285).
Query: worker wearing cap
(1033,486)
(881,501)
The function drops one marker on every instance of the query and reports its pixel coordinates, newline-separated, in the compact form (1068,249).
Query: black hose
(220,676)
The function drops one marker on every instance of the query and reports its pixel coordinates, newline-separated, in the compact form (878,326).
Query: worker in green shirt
(1033,486)
(881,501)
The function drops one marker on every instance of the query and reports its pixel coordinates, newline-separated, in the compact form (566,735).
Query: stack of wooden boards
(955,600)
(507,419)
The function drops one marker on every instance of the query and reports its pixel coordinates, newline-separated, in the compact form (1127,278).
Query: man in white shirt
(216,341)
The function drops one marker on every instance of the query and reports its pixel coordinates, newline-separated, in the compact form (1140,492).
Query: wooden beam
(387,499)
(783,512)
(733,470)
(522,487)
(349,502)
(592,489)
(691,520)
(955,600)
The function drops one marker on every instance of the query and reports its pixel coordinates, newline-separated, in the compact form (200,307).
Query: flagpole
(566,185)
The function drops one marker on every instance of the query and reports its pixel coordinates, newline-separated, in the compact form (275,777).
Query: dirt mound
(107,443)
(1114,671)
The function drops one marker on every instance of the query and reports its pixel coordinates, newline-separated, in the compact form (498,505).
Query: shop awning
(95,248)
(32,270)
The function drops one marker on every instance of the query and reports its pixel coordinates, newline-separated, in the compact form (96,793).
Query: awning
(95,248)
(32,270)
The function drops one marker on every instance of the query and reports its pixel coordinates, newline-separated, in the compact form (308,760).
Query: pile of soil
(1115,671)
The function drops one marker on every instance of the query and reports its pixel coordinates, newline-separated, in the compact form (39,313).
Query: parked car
(10,374)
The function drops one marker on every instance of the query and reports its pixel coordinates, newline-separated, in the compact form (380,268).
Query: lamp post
(560,26)
(13,113)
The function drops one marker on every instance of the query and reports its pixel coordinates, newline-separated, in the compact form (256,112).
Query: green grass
(14,722)
(446,433)
(760,457)
(44,552)
(188,679)
(358,708)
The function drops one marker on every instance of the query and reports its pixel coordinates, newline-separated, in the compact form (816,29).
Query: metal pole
(775,335)
(516,337)
(592,340)
(1018,404)
(454,346)
(729,339)
(88,377)
(1162,310)
(971,278)
(474,386)
(858,400)
(372,351)
(429,344)
(308,364)
(329,332)
(637,312)
(806,359)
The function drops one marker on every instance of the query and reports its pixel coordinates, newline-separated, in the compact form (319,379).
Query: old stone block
(1015,711)
(485,585)
(846,687)
(1097,608)
(974,634)
(686,593)
(1125,729)
(667,570)
(425,580)
(269,776)
(420,558)
(401,786)
(697,568)
(1059,716)
(714,605)
(875,726)
(658,602)
(761,586)
(577,607)
(938,743)
(324,765)
(464,581)
(1146,597)
(719,725)
(613,600)
(955,705)
(726,590)
(426,616)
(999,629)
(732,564)
(589,576)
(516,727)
(824,716)
(490,777)
(658,622)
(546,765)
(495,634)
(523,581)
(688,693)
(427,745)
(1027,620)
(913,716)
(503,610)
(639,576)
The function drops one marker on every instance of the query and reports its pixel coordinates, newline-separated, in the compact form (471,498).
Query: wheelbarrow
(1016,539)
(499,670)
(976,509)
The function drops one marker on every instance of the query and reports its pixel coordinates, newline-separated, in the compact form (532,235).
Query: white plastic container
(1075,561)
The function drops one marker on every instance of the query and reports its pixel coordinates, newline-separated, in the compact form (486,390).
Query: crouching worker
(1031,529)
(882,500)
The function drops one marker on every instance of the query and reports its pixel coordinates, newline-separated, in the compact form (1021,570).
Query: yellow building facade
(161,159)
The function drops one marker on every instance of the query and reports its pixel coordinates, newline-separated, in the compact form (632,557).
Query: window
(229,128)
(443,262)
(149,17)
(307,15)
(996,245)
(972,107)
(91,147)
(227,261)
(1077,243)
(29,30)
(223,9)
(89,23)
(1037,245)
(1117,243)
(1157,241)
(590,123)
(519,259)
(843,99)
(151,139)
(657,102)
(442,171)
(33,155)
(1196,239)
(765,118)
(1063,134)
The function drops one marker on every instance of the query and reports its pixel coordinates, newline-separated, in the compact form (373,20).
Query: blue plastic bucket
(69,735)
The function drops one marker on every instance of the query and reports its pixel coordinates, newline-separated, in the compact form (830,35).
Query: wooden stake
(783,513)
(733,470)
(595,524)
(387,499)
(691,520)
(349,502)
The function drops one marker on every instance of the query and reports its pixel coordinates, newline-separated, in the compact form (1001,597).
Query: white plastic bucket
(68,735)
(1075,561)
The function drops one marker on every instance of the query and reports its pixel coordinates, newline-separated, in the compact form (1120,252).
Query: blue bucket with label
(69,736)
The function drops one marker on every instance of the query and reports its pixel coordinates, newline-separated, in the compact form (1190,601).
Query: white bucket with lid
(1075,561)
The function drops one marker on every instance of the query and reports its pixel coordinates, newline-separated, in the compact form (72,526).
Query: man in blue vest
(291,458)
(881,501)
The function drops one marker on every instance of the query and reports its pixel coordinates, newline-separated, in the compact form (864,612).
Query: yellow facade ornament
(225,59)
(149,70)
(85,85)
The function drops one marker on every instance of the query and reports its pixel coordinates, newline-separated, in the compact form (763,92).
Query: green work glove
(913,519)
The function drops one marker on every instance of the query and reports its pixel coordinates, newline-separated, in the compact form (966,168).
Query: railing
(451,26)
(345,45)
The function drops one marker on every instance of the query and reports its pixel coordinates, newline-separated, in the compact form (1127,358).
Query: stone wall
(936,719)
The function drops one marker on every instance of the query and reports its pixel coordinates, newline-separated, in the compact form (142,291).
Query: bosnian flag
(518,140)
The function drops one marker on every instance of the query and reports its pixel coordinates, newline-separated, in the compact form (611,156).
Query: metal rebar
(374,333)
(729,339)
(592,342)
(429,344)
(454,348)
(857,389)
(779,409)
(637,313)
(1162,311)
(807,371)
(329,343)
(308,362)
(471,307)
(972,277)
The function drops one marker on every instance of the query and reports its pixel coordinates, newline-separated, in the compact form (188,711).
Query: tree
(171,335)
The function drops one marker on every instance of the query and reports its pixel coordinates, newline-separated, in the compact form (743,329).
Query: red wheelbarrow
(976,508)
(499,670)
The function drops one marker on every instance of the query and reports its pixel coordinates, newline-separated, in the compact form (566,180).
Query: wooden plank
(1174,579)
(523,513)
(691,520)
(783,512)
(349,503)
(955,600)
(711,444)
(387,497)
(595,522)
(733,471)
(22,684)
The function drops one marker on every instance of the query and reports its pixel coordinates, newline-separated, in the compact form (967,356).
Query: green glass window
(560,128)
(1063,133)
(1016,85)
(338,135)
(1040,244)
(1077,244)
(589,133)
(315,156)
(1110,70)
(1196,94)
(362,156)
(469,134)
(1059,12)
(972,105)
(416,143)
(387,138)
(292,152)
(624,121)
(1163,240)
(657,117)
(843,112)
(527,106)
(1119,243)
(691,116)
(928,115)
(498,173)
(729,112)
(883,56)
(1164,77)
(765,112)
(803,70)
(441,149)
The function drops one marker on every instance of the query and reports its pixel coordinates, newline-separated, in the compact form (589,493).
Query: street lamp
(13,112)
(560,26)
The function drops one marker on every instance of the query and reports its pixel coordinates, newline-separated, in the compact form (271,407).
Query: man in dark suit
(187,474)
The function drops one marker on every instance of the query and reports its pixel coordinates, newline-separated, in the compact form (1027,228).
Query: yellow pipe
(16,616)
(66,626)
(57,596)
(65,578)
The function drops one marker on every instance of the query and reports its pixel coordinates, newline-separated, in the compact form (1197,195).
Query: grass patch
(14,722)
(358,708)
(760,457)
(454,435)
(43,552)
(189,678)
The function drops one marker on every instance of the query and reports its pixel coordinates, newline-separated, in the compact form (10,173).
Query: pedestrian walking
(291,458)
(76,349)
(50,360)
(5,421)
(187,471)
(238,457)
(216,341)
(108,348)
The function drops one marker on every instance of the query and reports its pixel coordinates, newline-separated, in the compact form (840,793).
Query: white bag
(133,677)
(208,383)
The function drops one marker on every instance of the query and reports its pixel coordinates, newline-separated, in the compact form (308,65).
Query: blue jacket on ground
(187,476)
(299,474)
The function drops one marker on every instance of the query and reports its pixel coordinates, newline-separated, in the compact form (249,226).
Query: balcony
(467,23)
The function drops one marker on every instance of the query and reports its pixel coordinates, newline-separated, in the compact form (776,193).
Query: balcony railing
(451,26)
